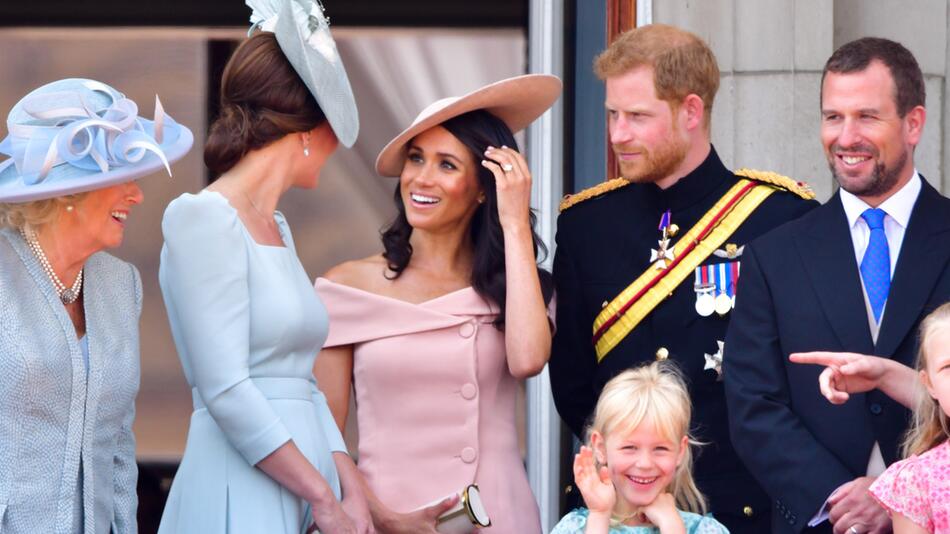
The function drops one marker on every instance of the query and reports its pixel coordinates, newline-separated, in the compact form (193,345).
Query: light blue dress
(247,325)
(576,521)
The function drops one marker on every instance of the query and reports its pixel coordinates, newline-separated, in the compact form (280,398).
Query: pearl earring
(69,207)
(306,144)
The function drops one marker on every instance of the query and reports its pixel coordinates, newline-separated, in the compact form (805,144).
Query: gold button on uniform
(672,230)
(747,510)
(662,353)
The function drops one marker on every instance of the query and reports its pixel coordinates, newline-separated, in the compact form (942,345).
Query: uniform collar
(693,188)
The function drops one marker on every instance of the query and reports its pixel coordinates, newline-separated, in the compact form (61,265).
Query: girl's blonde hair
(929,427)
(655,394)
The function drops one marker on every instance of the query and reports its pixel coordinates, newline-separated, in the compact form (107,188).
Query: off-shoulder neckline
(398,300)
(278,218)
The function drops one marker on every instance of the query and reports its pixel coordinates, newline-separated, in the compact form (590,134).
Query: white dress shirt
(898,208)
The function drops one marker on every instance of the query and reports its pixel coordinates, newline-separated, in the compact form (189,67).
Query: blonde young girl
(916,491)
(640,441)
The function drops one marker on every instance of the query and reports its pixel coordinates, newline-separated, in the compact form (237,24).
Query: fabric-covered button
(467,330)
(469,391)
(876,408)
(468,455)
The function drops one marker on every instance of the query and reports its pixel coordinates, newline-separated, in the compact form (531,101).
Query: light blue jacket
(51,415)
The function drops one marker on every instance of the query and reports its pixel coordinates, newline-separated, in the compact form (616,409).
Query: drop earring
(306,144)
(69,207)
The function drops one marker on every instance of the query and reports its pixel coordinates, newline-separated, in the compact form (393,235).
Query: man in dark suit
(855,275)
(672,229)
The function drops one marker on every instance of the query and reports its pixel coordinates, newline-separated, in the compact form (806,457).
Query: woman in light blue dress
(263,453)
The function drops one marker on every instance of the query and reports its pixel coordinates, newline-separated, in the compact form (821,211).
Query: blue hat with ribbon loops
(303,33)
(77,135)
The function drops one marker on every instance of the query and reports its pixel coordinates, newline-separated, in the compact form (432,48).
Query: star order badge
(714,362)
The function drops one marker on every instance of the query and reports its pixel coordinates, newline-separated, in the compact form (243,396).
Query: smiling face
(645,133)
(936,377)
(642,463)
(102,214)
(438,184)
(869,146)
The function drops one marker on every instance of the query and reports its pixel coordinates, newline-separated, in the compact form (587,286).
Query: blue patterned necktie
(876,264)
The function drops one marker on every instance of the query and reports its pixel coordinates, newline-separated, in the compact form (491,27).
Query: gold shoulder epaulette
(799,188)
(591,192)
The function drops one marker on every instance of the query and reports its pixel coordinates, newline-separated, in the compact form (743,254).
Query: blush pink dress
(435,401)
(919,489)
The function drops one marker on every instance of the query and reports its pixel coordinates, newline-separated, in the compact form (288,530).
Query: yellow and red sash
(627,309)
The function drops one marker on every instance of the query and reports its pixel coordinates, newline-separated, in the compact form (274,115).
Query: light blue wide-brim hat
(303,33)
(76,135)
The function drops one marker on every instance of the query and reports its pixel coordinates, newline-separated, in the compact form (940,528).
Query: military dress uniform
(609,236)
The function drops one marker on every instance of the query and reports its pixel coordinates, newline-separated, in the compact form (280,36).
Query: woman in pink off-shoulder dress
(435,333)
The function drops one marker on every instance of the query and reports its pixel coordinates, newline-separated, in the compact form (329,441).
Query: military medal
(705,304)
(714,362)
(723,304)
(715,288)
(726,275)
(705,292)
(660,256)
(705,300)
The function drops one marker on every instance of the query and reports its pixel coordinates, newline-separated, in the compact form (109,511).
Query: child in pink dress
(916,491)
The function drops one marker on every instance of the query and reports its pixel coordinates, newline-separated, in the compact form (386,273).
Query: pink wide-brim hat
(516,101)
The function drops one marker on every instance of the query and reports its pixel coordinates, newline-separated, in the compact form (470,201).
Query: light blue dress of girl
(247,325)
(576,521)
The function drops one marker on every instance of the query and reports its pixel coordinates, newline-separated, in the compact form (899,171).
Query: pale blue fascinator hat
(77,135)
(303,33)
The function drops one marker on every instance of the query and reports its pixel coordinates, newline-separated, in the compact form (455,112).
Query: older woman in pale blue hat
(263,451)
(69,346)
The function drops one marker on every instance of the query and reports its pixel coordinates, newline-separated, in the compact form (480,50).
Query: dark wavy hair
(262,100)
(477,130)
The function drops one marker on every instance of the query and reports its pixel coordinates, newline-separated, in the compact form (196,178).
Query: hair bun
(262,100)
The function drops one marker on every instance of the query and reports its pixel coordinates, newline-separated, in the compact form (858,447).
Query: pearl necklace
(66,294)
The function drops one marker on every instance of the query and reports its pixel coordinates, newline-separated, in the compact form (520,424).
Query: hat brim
(516,101)
(68,180)
(324,75)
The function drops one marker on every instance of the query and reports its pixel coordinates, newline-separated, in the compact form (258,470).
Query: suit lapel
(924,253)
(827,253)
